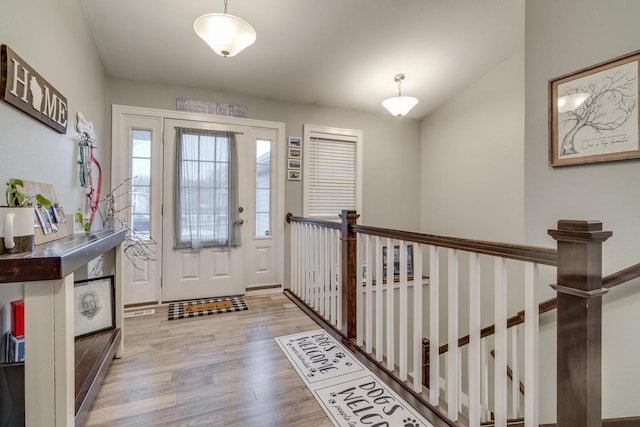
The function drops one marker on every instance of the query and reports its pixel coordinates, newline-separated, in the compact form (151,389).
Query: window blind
(331,176)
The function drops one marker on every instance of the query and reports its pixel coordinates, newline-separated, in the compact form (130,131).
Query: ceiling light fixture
(399,105)
(226,34)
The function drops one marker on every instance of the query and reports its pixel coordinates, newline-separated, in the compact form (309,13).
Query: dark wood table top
(55,260)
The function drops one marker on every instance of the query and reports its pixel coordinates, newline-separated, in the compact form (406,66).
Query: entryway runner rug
(347,391)
(202,307)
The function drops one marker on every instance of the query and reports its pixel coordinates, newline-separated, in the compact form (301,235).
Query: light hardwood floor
(218,370)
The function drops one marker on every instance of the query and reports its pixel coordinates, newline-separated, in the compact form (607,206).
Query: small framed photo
(294,175)
(295,164)
(295,153)
(396,261)
(295,141)
(94,302)
(57,214)
(44,219)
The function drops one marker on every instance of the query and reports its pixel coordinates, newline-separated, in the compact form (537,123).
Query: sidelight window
(263,187)
(141,181)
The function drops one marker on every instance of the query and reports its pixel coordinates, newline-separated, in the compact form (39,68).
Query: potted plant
(17,218)
(82,220)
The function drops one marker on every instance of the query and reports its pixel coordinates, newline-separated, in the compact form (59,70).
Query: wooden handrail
(611,281)
(509,373)
(310,221)
(622,276)
(539,255)
(535,254)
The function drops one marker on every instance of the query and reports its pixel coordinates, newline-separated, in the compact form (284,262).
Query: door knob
(239,222)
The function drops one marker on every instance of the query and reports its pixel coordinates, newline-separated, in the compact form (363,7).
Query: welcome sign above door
(25,89)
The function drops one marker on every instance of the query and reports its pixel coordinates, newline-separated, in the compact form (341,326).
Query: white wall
(390,144)
(53,37)
(562,37)
(472,178)
(472,170)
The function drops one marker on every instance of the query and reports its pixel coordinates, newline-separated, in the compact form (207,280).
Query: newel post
(579,325)
(349,273)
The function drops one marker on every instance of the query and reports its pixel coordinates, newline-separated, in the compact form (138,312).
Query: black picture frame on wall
(94,306)
(396,261)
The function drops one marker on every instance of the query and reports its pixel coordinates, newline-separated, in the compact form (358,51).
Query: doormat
(203,307)
(347,391)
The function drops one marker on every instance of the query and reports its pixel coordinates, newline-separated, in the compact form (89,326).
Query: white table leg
(49,353)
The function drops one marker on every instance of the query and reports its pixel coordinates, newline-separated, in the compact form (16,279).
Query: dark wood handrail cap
(579,231)
(579,225)
(349,215)
(575,291)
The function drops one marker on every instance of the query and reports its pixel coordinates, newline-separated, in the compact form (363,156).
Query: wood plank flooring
(218,370)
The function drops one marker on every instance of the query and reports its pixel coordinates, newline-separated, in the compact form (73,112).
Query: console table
(52,395)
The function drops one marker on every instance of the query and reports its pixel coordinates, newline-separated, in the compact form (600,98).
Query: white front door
(199,270)
(206,214)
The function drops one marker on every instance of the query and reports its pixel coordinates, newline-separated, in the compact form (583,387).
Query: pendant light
(226,34)
(399,105)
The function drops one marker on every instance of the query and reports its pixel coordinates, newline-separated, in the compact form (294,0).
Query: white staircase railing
(390,291)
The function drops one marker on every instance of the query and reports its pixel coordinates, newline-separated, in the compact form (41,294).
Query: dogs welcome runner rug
(202,307)
(347,391)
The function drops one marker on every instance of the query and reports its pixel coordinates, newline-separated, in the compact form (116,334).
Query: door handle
(238,222)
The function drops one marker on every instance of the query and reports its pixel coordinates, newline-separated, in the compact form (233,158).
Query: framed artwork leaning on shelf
(94,301)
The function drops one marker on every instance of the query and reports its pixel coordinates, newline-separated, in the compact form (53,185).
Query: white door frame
(120,159)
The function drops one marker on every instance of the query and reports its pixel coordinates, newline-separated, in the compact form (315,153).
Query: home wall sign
(22,87)
(208,107)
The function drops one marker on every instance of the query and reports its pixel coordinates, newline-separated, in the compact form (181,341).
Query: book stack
(15,339)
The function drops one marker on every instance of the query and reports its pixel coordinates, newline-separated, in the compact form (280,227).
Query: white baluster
(306,267)
(459,373)
(332,277)
(452,301)
(434,325)
(359,290)
(417,318)
(484,391)
(316,269)
(339,289)
(390,315)
(294,258)
(299,257)
(404,311)
(309,270)
(326,268)
(500,343)
(531,349)
(369,296)
(310,266)
(474,367)
(515,375)
(379,312)
(321,269)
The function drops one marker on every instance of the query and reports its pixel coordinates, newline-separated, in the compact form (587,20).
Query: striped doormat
(202,307)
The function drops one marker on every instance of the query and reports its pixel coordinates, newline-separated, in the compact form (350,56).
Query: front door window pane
(141,182)
(263,187)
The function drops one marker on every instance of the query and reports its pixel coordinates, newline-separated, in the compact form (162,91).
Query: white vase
(16,230)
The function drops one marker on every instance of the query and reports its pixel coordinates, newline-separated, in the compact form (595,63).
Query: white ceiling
(341,53)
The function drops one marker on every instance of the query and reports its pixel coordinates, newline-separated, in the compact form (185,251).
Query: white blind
(331,176)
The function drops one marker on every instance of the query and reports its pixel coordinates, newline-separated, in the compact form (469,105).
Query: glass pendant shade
(226,34)
(399,105)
